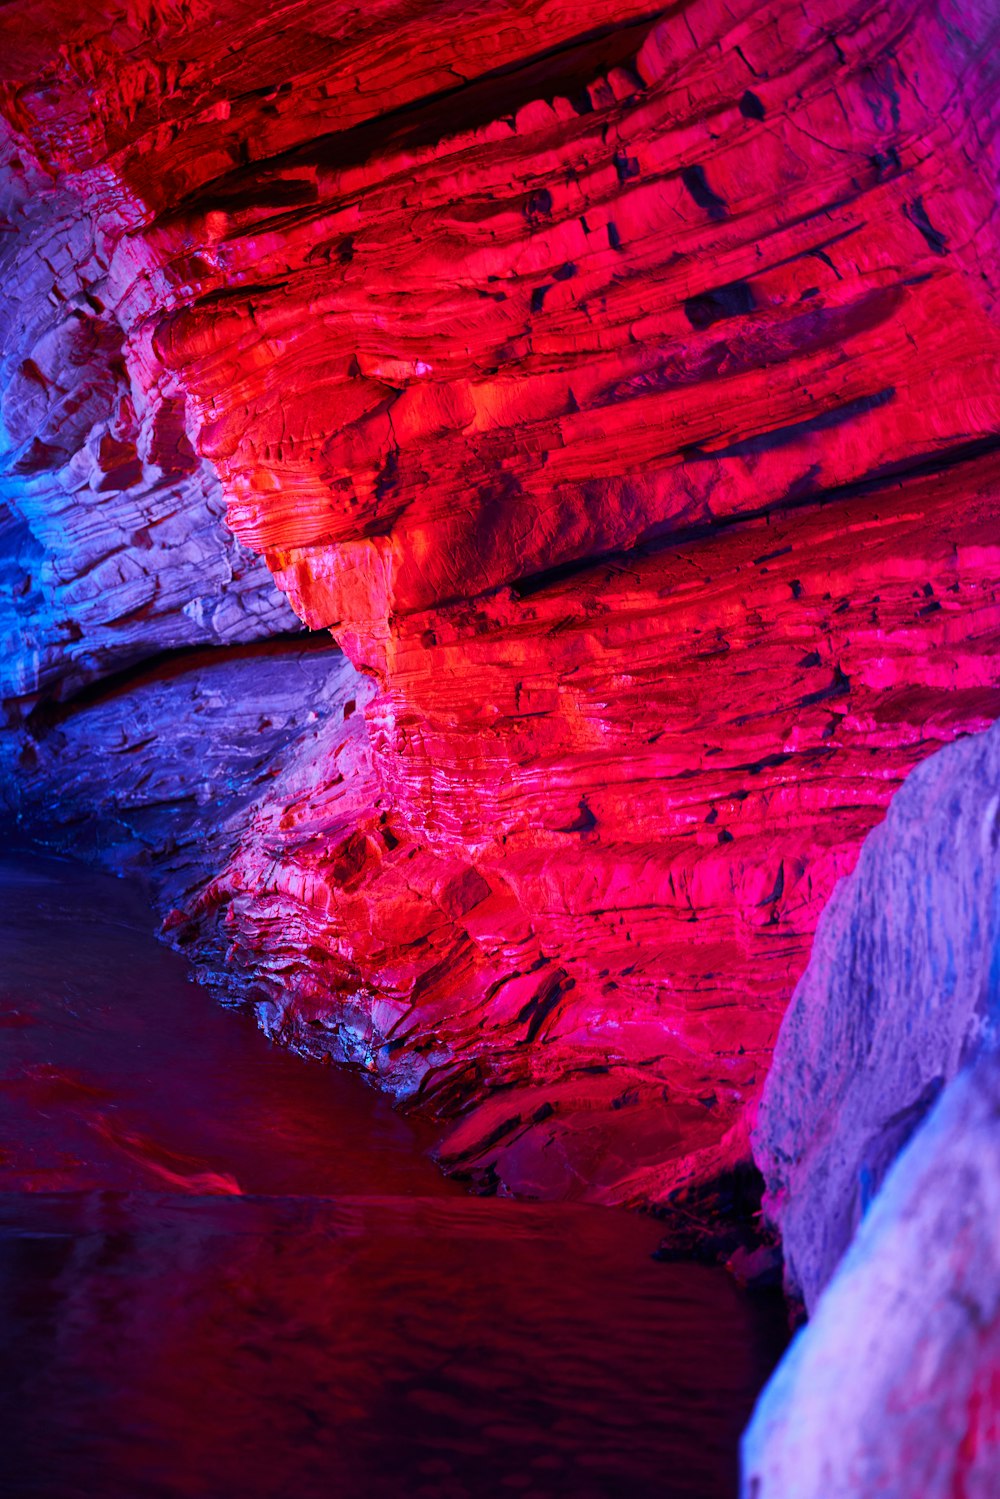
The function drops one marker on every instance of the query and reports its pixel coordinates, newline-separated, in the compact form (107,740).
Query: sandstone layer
(112,541)
(621,389)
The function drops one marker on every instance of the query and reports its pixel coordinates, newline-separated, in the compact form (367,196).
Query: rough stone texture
(903,987)
(893,1389)
(662,846)
(158,775)
(112,542)
(622,390)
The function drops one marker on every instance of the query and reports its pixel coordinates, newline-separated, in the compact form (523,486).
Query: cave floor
(228,1271)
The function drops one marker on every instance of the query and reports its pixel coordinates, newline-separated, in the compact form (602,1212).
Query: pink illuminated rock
(622,392)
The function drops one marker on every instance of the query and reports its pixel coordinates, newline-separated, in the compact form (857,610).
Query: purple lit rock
(893,1389)
(902,989)
(113,545)
(164,774)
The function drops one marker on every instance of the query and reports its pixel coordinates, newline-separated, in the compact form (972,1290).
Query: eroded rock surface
(112,541)
(621,390)
(893,1389)
(901,989)
(159,775)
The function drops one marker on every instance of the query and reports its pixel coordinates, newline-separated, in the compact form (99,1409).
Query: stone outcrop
(621,390)
(879,1140)
(900,992)
(159,776)
(893,1389)
(112,539)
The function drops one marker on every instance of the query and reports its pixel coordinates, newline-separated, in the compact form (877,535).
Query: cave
(500,618)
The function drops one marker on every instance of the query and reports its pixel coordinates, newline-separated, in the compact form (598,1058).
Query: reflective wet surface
(228,1272)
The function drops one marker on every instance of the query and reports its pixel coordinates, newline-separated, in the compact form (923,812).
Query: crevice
(923,466)
(165,665)
(561,71)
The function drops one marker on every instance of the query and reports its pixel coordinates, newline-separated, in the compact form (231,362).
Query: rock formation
(879,1139)
(620,388)
(902,989)
(112,540)
(894,1387)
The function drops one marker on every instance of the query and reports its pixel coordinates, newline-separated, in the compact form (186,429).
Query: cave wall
(112,538)
(879,1138)
(902,992)
(620,388)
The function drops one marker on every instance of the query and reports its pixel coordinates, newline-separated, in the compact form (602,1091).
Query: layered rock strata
(112,541)
(158,775)
(618,841)
(621,389)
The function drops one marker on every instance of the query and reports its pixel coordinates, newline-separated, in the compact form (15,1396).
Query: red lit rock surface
(622,392)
